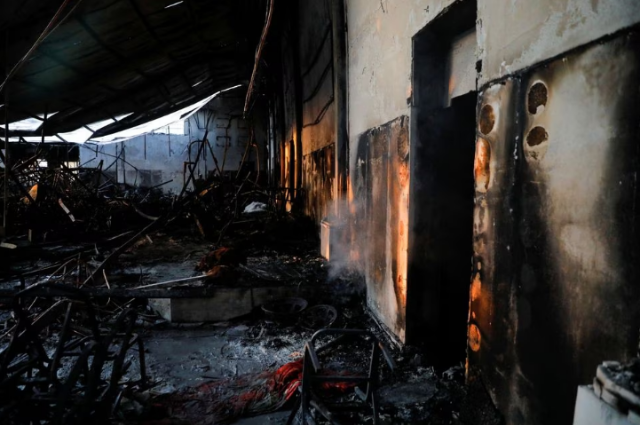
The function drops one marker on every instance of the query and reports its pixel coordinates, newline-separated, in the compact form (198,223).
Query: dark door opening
(451,167)
(442,185)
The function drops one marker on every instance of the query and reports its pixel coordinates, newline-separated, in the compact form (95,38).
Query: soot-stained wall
(556,244)
(317,106)
(380,183)
(304,109)
(380,89)
(318,175)
(441,197)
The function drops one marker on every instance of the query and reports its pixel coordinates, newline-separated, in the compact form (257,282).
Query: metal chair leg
(295,410)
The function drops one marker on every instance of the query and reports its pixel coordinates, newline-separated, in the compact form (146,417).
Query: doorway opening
(442,184)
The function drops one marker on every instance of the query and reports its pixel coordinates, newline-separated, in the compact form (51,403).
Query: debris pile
(62,363)
(86,207)
(212,373)
(87,257)
(71,269)
(65,203)
(618,384)
(226,400)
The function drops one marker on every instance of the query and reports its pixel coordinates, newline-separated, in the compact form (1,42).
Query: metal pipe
(340,98)
(6,134)
(258,56)
(296,148)
(44,123)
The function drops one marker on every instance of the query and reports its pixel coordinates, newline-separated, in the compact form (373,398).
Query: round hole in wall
(537,136)
(487,119)
(537,97)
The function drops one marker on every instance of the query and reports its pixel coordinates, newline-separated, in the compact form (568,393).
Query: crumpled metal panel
(113,58)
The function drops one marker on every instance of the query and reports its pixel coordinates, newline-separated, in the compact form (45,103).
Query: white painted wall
(161,158)
(380,57)
(156,158)
(380,86)
(514,34)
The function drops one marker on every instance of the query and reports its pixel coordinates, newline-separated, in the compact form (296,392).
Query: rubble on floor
(193,367)
(67,363)
(109,288)
(618,384)
(198,368)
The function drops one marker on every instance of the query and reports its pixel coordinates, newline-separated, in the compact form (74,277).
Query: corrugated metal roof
(110,58)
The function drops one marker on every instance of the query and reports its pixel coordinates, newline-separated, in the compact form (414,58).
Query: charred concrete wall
(287,111)
(380,182)
(513,35)
(380,58)
(317,106)
(156,158)
(304,110)
(318,177)
(380,89)
(554,281)
(441,196)
(556,243)
(553,230)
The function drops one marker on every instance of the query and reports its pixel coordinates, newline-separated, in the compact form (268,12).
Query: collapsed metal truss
(77,378)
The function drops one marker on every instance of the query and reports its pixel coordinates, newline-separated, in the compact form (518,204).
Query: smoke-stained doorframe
(441,189)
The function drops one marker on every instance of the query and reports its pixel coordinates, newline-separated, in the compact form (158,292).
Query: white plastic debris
(255,207)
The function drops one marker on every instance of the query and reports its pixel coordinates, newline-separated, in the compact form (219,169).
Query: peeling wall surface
(156,158)
(514,34)
(556,244)
(318,178)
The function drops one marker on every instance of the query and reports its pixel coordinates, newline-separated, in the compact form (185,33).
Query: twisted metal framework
(78,377)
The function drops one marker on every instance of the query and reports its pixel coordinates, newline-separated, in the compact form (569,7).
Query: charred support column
(340,98)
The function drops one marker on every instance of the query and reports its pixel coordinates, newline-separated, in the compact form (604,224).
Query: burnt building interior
(328,211)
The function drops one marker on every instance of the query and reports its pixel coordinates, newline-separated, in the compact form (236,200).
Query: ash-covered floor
(224,371)
(188,358)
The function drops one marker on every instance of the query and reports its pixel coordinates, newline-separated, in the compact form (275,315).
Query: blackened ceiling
(109,58)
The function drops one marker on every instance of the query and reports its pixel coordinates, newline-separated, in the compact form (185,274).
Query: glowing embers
(476,287)
(482,165)
(475,338)
(487,119)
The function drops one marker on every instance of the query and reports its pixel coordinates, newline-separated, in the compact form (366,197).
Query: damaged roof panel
(106,58)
